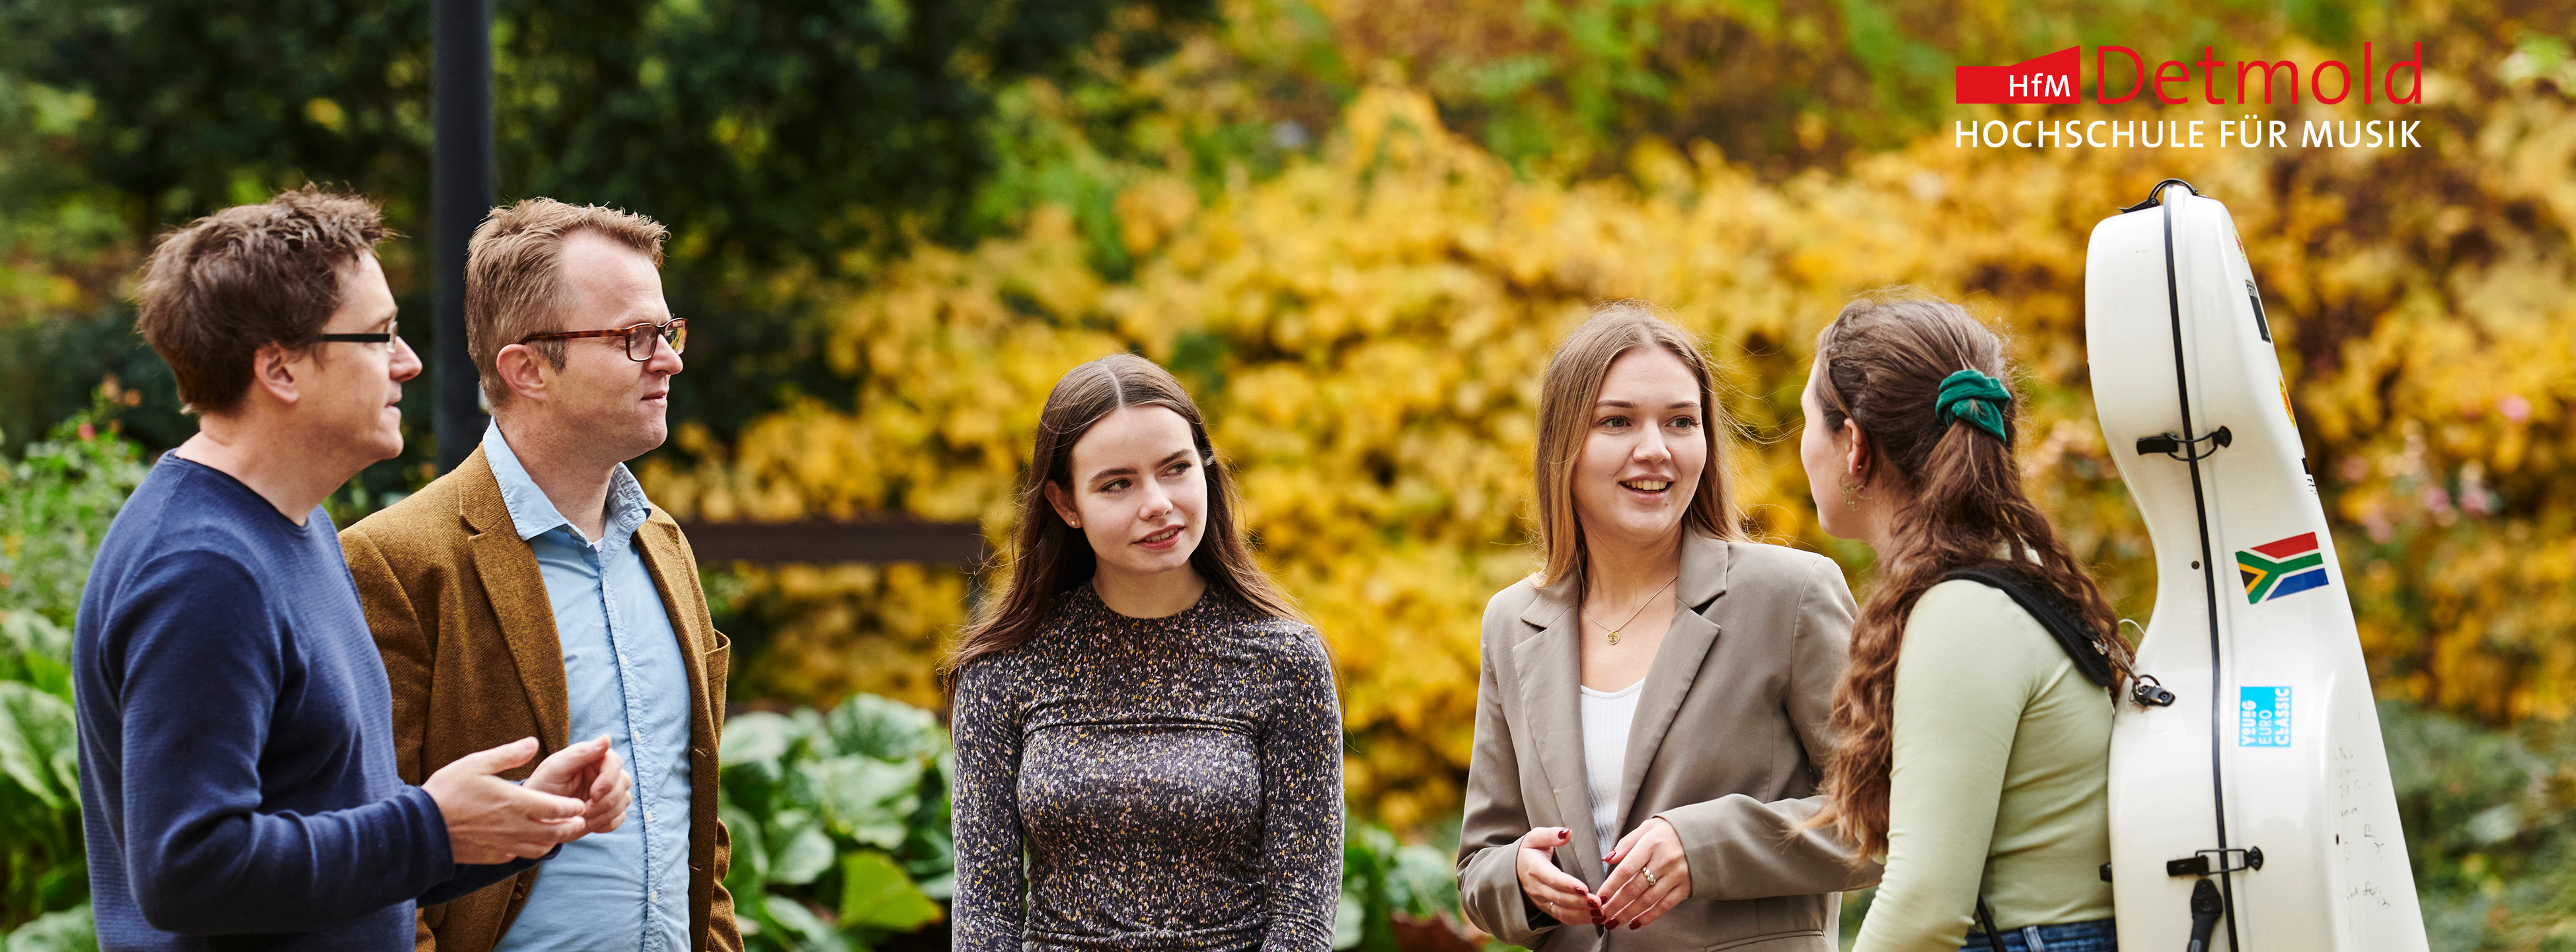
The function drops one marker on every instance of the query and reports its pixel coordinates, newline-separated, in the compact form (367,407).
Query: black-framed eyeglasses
(638,337)
(382,341)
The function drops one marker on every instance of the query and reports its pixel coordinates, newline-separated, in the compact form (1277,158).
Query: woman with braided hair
(1972,747)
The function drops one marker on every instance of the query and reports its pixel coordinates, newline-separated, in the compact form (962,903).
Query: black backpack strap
(2080,645)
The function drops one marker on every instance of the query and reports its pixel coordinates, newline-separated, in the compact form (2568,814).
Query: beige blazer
(1730,734)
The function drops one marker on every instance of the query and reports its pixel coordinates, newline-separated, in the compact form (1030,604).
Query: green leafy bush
(69,930)
(2488,826)
(40,836)
(839,823)
(55,504)
(1397,898)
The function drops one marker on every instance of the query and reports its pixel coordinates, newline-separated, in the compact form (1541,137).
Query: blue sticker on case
(2263,717)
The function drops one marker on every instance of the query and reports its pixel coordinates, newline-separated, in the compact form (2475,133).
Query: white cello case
(2272,742)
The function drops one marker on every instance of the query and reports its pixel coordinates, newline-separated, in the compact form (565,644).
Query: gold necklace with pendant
(1632,616)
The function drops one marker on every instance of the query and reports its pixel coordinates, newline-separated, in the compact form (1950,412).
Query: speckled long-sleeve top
(1176,783)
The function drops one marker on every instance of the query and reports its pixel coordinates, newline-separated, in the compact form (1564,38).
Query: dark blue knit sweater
(236,736)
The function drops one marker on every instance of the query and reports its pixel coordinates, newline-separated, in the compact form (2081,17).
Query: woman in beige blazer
(1652,705)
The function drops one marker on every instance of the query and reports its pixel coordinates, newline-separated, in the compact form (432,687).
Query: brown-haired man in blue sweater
(238,785)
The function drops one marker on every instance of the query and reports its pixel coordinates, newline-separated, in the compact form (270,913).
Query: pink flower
(2515,408)
(2477,501)
(88,432)
(2437,499)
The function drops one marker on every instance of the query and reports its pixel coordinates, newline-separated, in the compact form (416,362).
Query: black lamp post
(460,192)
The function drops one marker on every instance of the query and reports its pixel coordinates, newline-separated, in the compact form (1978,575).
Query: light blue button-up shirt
(625,678)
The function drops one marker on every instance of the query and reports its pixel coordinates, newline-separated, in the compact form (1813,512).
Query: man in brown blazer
(535,591)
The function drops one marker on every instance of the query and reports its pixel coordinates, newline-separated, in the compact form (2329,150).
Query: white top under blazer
(1606,716)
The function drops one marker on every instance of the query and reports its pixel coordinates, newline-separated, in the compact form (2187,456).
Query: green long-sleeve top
(1999,781)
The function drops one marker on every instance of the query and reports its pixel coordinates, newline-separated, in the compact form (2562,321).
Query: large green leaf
(751,916)
(803,848)
(876,893)
(38,745)
(1422,882)
(868,800)
(929,850)
(757,737)
(50,675)
(1350,922)
(811,932)
(67,931)
(1367,849)
(67,882)
(750,852)
(35,650)
(882,728)
(942,886)
(802,796)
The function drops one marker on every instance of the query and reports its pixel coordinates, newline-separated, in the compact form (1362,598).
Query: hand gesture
(1649,876)
(1551,889)
(590,772)
(491,820)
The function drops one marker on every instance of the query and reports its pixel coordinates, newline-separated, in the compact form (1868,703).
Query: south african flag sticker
(2276,569)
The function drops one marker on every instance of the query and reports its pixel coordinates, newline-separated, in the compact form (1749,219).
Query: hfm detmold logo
(2121,75)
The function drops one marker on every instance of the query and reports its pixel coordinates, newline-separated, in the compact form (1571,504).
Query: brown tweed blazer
(440,572)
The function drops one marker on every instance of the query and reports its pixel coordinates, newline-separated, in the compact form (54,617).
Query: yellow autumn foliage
(1366,330)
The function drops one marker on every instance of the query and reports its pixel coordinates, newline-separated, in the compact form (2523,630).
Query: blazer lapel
(517,592)
(1677,664)
(1550,665)
(666,556)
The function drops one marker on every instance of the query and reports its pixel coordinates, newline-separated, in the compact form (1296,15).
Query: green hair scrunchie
(1971,396)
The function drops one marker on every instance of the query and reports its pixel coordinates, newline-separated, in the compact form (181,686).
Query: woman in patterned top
(1141,713)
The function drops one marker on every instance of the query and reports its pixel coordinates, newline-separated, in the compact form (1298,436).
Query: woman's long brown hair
(1052,556)
(1962,505)
(1565,404)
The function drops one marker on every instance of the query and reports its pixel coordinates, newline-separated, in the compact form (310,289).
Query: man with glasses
(237,747)
(535,589)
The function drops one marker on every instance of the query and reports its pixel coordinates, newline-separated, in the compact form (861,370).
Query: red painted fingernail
(1634,925)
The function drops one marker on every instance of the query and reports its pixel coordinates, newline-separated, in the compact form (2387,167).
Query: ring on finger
(1650,879)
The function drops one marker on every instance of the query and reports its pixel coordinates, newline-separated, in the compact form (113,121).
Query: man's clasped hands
(581,789)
